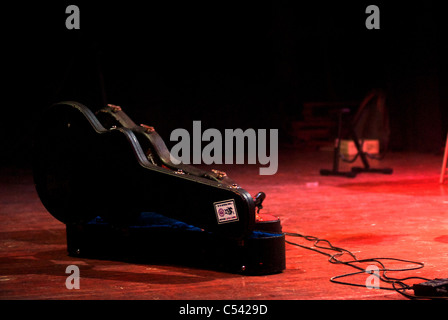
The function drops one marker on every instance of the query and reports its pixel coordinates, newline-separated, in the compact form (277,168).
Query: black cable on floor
(397,284)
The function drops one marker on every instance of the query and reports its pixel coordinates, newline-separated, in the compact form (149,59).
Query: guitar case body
(114,186)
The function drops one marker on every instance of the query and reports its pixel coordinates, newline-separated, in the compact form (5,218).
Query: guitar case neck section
(113,116)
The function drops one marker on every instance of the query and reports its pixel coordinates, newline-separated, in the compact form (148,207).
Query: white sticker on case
(226,211)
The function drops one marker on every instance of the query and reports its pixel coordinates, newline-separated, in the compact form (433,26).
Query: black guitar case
(113,184)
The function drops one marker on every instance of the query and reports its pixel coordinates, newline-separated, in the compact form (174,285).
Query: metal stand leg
(335,171)
(445,157)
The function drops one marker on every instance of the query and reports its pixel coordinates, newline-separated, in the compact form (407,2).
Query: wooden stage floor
(403,215)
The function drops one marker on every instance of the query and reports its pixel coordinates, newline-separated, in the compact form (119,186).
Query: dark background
(228,64)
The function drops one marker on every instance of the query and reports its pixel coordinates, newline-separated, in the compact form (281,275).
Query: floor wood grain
(403,215)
